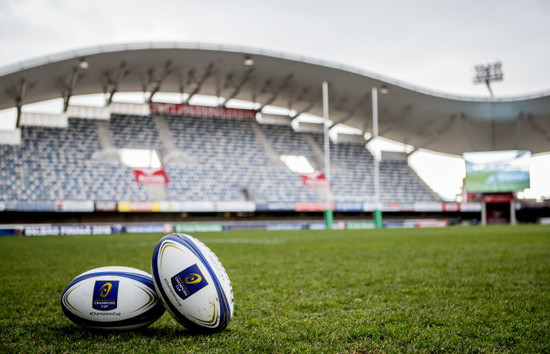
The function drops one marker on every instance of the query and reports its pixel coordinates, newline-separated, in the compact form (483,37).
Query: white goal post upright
(328,204)
(377,214)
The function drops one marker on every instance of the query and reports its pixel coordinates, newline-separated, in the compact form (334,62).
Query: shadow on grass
(74,332)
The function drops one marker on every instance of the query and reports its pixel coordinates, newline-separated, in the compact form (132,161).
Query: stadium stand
(285,141)
(130,131)
(351,175)
(231,164)
(352,171)
(400,183)
(228,161)
(58,164)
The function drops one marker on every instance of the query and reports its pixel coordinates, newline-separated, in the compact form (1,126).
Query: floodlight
(83,64)
(487,74)
(248,61)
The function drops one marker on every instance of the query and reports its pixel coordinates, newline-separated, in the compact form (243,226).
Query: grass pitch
(459,289)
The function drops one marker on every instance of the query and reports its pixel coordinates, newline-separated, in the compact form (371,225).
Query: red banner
(498,198)
(314,180)
(202,111)
(450,207)
(313,206)
(151,176)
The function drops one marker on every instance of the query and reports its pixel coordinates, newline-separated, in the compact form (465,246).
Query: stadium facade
(224,160)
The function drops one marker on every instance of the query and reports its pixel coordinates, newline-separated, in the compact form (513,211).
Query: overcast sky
(430,43)
(433,44)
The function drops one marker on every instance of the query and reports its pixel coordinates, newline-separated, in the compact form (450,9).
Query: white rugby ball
(112,298)
(192,283)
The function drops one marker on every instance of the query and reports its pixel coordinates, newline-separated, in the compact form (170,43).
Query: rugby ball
(192,283)
(112,298)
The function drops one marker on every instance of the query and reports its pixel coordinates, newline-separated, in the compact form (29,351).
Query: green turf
(459,289)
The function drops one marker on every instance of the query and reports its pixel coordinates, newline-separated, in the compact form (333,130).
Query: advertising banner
(10,230)
(316,179)
(358,225)
(105,205)
(149,228)
(275,206)
(452,207)
(36,206)
(236,206)
(432,223)
(2,206)
(470,207)
(66,230)
(170,206)
(285,227)
(42,230)
(198,206)
(348,206)
(126,206)
(428,206)
(202,111)
(76,205)
(399,224)
(317,226)
(198,228)
(244,227)
(312,206)
(85,230)
(498,198)
(400,207)
(150,176)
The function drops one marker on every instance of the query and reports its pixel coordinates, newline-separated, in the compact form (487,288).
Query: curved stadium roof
(408,114)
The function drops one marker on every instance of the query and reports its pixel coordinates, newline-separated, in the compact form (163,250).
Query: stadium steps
(170,153)
(318,159)
(156,191)
(273,156)
(108,152)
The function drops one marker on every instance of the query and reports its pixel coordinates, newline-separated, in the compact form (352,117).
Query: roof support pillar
(276,93)
(237,89)
(305,109)
(381,132)
(351,113)
(110,91)
(69,88)
(22,87)
(390,124)
(166,70)
(207,73)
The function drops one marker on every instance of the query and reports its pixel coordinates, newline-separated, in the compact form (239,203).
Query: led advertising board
(497,171)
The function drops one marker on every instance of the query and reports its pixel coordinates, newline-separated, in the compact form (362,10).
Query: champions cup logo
(188,281)
(105,289)
(105,296)
(192,279)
